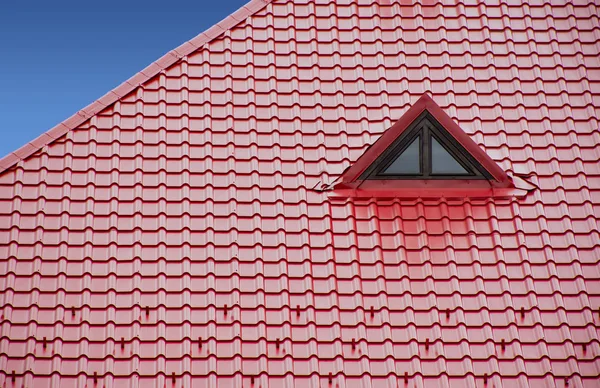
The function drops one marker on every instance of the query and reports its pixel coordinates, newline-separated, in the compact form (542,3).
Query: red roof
(181,231)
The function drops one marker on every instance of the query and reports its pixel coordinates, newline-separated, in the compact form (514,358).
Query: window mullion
(425,151)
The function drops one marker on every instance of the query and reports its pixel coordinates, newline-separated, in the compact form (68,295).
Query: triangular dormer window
(425,151)
(425,154)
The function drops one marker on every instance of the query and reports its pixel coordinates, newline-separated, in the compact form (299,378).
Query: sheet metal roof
(175,232)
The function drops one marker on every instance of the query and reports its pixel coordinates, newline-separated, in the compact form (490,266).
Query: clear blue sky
(58,56)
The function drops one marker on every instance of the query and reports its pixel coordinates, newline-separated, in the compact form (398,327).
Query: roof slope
(179,236)
(127,87)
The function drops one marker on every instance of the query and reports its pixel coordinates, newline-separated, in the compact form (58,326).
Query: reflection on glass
(442,162)
(408,162)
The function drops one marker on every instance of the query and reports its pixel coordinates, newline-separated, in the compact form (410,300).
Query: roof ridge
(132,83)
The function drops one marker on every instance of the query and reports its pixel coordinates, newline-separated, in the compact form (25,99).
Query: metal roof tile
(191,214)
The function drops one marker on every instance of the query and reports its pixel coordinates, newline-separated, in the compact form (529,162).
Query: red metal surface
(178,236)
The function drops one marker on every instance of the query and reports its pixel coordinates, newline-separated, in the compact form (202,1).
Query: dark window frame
(424,127)
(403,147)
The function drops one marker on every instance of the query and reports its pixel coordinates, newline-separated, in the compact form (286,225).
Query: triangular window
(425,151)
(425,154)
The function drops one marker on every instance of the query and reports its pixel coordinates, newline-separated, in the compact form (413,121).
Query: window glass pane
(408,162)
(442,162)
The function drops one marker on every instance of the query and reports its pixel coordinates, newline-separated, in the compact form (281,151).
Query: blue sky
(58,56)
